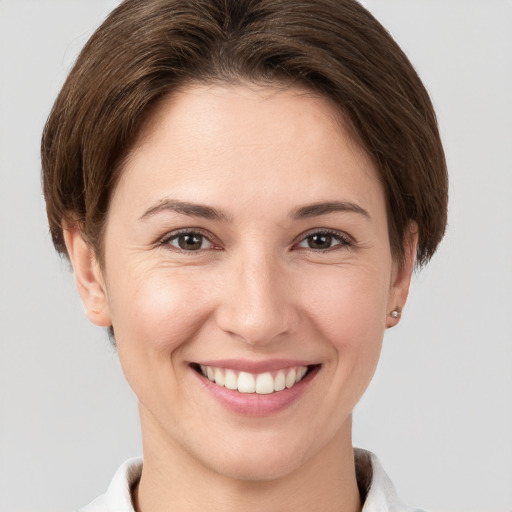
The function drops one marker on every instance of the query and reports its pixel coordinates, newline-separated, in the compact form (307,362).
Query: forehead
(250,138)
(198,107)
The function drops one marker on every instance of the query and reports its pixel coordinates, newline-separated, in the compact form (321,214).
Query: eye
(188,241)
(325,240)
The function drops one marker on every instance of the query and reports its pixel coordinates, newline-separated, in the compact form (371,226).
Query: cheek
(153,315)
(348,300)
(348,312)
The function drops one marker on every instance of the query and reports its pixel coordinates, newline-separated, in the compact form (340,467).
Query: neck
(174,479)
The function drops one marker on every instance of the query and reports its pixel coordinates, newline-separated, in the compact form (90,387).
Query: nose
(257,301)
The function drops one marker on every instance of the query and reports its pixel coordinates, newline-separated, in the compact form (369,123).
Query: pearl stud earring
(396,313)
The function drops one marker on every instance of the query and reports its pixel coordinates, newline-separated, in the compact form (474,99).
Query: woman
(243,189)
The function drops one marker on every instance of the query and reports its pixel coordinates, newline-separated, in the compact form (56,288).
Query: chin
(256,458)
(263,467)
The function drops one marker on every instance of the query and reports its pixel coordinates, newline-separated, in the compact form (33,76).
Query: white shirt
(381,495)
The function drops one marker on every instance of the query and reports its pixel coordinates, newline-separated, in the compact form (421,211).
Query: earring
(396,313)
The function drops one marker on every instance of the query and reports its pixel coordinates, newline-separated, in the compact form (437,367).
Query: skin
(255,290)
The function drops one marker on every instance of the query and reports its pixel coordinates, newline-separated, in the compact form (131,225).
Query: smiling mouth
(261,383)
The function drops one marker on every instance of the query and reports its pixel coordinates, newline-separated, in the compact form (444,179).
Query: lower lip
(253,404)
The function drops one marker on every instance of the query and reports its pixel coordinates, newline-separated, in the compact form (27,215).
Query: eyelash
(344,241)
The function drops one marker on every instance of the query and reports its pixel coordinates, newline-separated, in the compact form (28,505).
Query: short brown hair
(146,49)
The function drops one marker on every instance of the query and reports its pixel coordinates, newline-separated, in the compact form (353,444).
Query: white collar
(372,479)
(380,492)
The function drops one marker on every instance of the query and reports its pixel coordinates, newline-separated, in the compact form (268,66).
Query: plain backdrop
(439,411)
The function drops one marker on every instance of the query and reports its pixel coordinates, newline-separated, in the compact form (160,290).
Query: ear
(88,277)
(401,278)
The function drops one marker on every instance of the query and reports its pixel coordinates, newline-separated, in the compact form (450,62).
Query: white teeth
(219,377)
(262,383)
(280,381)
(246,383)
(290,378)
(300,374)
(231,380)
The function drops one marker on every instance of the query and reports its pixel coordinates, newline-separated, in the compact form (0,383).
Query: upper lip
(254,367)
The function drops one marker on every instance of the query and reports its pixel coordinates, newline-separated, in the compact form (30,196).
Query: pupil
(190,242)
(320,241)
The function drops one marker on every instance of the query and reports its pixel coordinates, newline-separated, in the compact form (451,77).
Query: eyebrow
(207,212)
(313,210)
(184,208)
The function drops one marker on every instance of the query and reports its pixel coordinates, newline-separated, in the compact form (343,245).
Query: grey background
(439,411)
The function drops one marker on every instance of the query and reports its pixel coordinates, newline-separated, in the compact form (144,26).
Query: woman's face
(246,243)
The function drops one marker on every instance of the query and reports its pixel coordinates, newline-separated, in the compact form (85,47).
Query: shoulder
(118,495)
